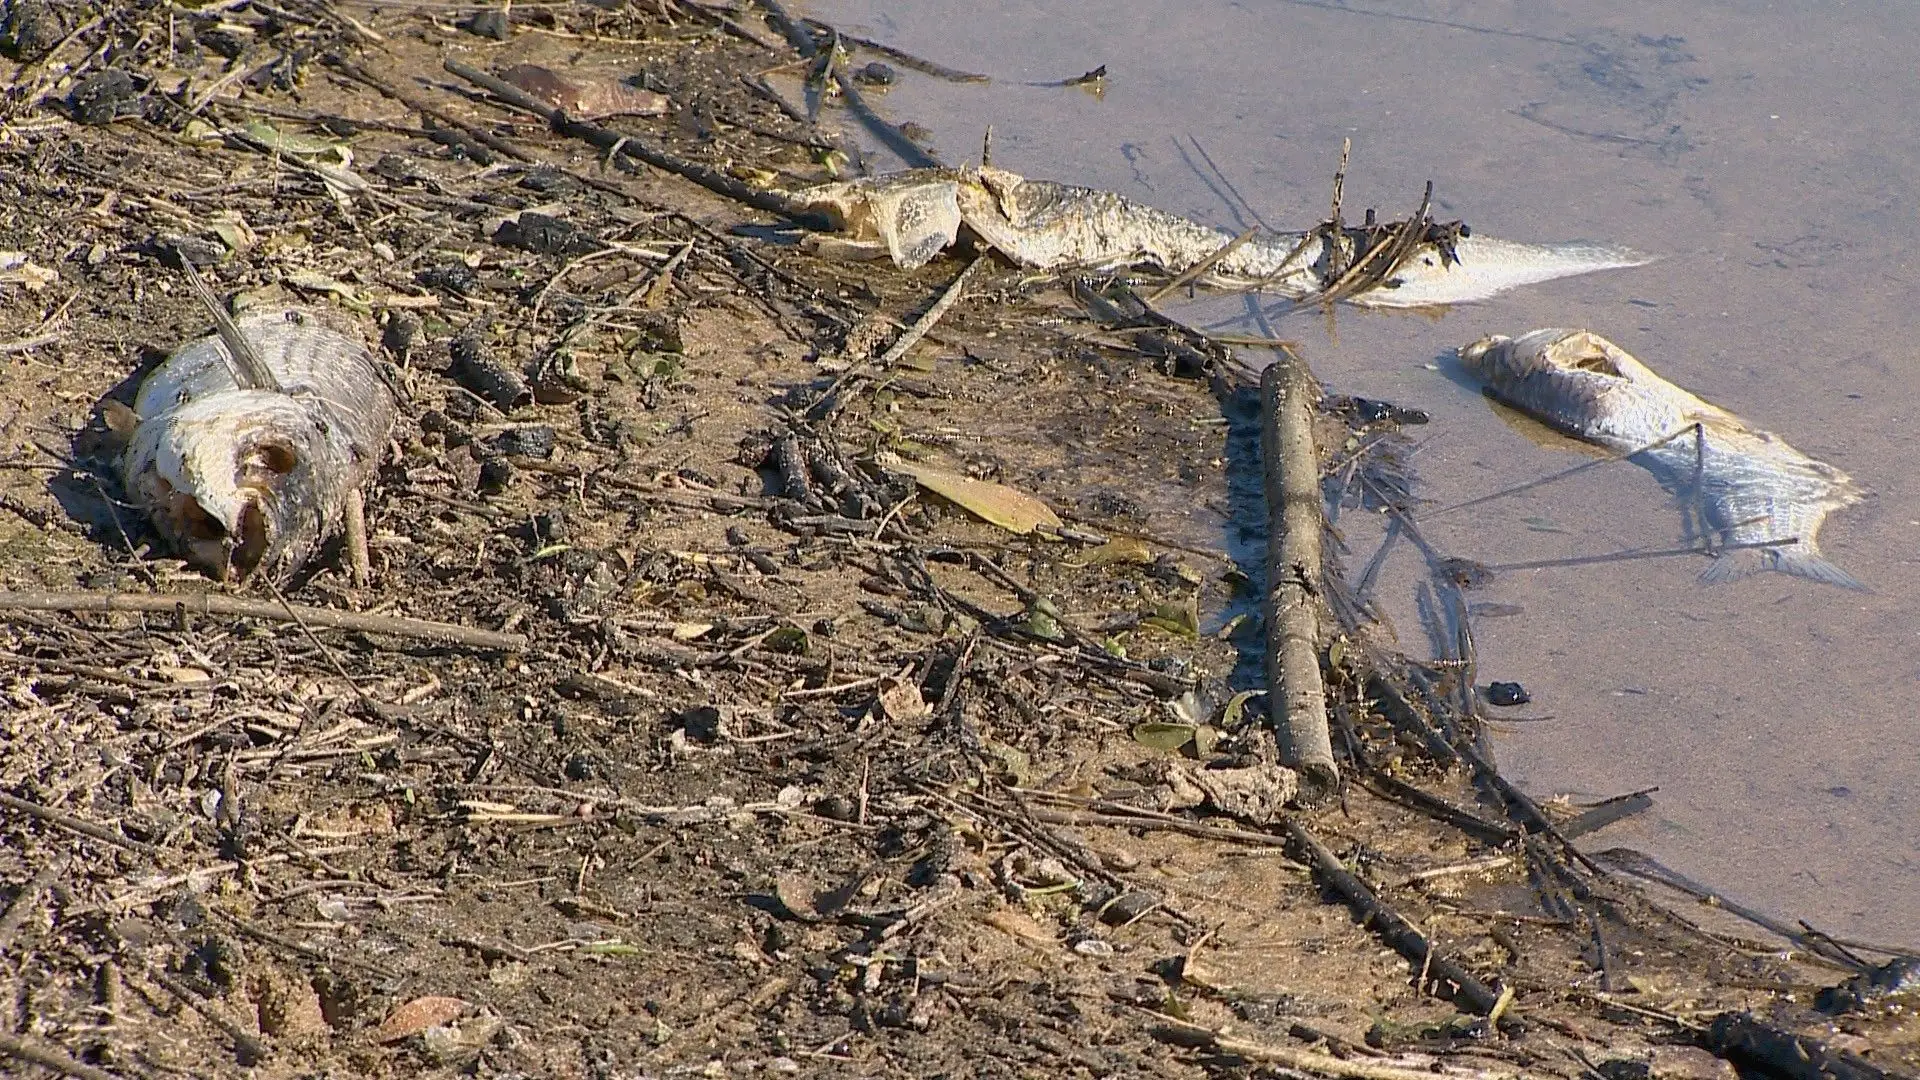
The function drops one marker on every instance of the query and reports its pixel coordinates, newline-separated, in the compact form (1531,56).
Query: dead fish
(912,216)
(1752,488)
(251,441)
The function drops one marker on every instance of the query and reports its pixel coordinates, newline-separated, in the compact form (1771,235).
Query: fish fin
(1799,562)
(1803,562)
(1732,566)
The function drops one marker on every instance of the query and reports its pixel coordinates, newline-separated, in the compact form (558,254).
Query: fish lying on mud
(1750,487)
(251,442)
(912,216)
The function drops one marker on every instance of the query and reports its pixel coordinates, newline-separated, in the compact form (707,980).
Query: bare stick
(1192,273)
(1294,520)
(1394,929)
(49,1058)
(60,819)
(356,539)
(1307,1061)
(925,323)
(234,607)
(473,131)
(614,143)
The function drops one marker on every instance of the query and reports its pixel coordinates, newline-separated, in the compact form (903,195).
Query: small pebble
(1507,693)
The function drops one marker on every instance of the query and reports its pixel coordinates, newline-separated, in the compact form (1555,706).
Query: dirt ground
(814,775)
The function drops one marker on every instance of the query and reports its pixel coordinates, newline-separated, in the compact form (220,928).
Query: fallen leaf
(900,699)
(593,98)
(1120,549)
(996,504)
(1162,736)
(417,1016)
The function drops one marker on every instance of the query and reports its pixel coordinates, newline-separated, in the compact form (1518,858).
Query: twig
(614,143)
(49,1058)
(1388,923)
(234,607)
(1192,273)
(925,323)
(473,131)
(70,823)
(1311,1061)
(1294,524)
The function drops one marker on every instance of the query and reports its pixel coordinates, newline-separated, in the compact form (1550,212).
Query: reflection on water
(1733,138)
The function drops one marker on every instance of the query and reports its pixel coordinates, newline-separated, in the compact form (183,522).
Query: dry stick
(925,323)
(207,604)
(1294,523)
(70,823)
(1193,272)
(614,143)
(1397,931)
(1309,1061)
(473,131)
(49,1058)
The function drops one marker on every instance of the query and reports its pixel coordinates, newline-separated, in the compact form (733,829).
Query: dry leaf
(417,1016)
(996,504)
(1120,549)
(593,98)
(900,699)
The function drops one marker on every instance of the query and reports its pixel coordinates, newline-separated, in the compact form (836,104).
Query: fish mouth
(230,540)
(1474,357)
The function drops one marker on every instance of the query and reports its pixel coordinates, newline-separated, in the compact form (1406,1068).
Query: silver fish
(246,454)
(1751,488)
(912,216)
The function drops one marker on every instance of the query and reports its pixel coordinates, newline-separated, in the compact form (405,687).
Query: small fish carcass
(1760,501)
(252,442)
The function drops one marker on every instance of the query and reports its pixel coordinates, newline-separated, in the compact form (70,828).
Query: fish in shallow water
(1752,487)
(250,442)
(912,216)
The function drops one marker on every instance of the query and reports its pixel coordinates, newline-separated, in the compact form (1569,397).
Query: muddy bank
(802,766)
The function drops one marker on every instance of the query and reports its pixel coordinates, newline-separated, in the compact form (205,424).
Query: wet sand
(1737,141)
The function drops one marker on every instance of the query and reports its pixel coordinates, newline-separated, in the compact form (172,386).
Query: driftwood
(1296,695)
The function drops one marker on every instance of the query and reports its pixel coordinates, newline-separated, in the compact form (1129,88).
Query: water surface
(1769,154)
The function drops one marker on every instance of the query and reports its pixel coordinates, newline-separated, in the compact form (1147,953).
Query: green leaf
(1157,735)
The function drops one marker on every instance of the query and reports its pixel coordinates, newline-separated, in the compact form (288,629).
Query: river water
(1767,153)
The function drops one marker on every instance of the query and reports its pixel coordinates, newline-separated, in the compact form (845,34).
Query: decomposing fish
(912,216)
(1759,501)
(251,442)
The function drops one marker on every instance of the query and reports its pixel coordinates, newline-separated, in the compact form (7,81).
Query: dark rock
(476,368)
(1507,693)
(30,31)
(529,442)
(493,23)
(544,235)
(105,96)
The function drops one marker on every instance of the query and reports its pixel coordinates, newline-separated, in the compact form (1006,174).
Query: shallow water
(1768,153)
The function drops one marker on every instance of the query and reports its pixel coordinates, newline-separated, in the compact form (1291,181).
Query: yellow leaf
(1120,549)
(996,504)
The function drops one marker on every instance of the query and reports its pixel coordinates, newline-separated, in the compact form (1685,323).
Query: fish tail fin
(1802,562)
(1807,563)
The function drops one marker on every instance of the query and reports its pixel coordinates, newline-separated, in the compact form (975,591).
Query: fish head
(229,481)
